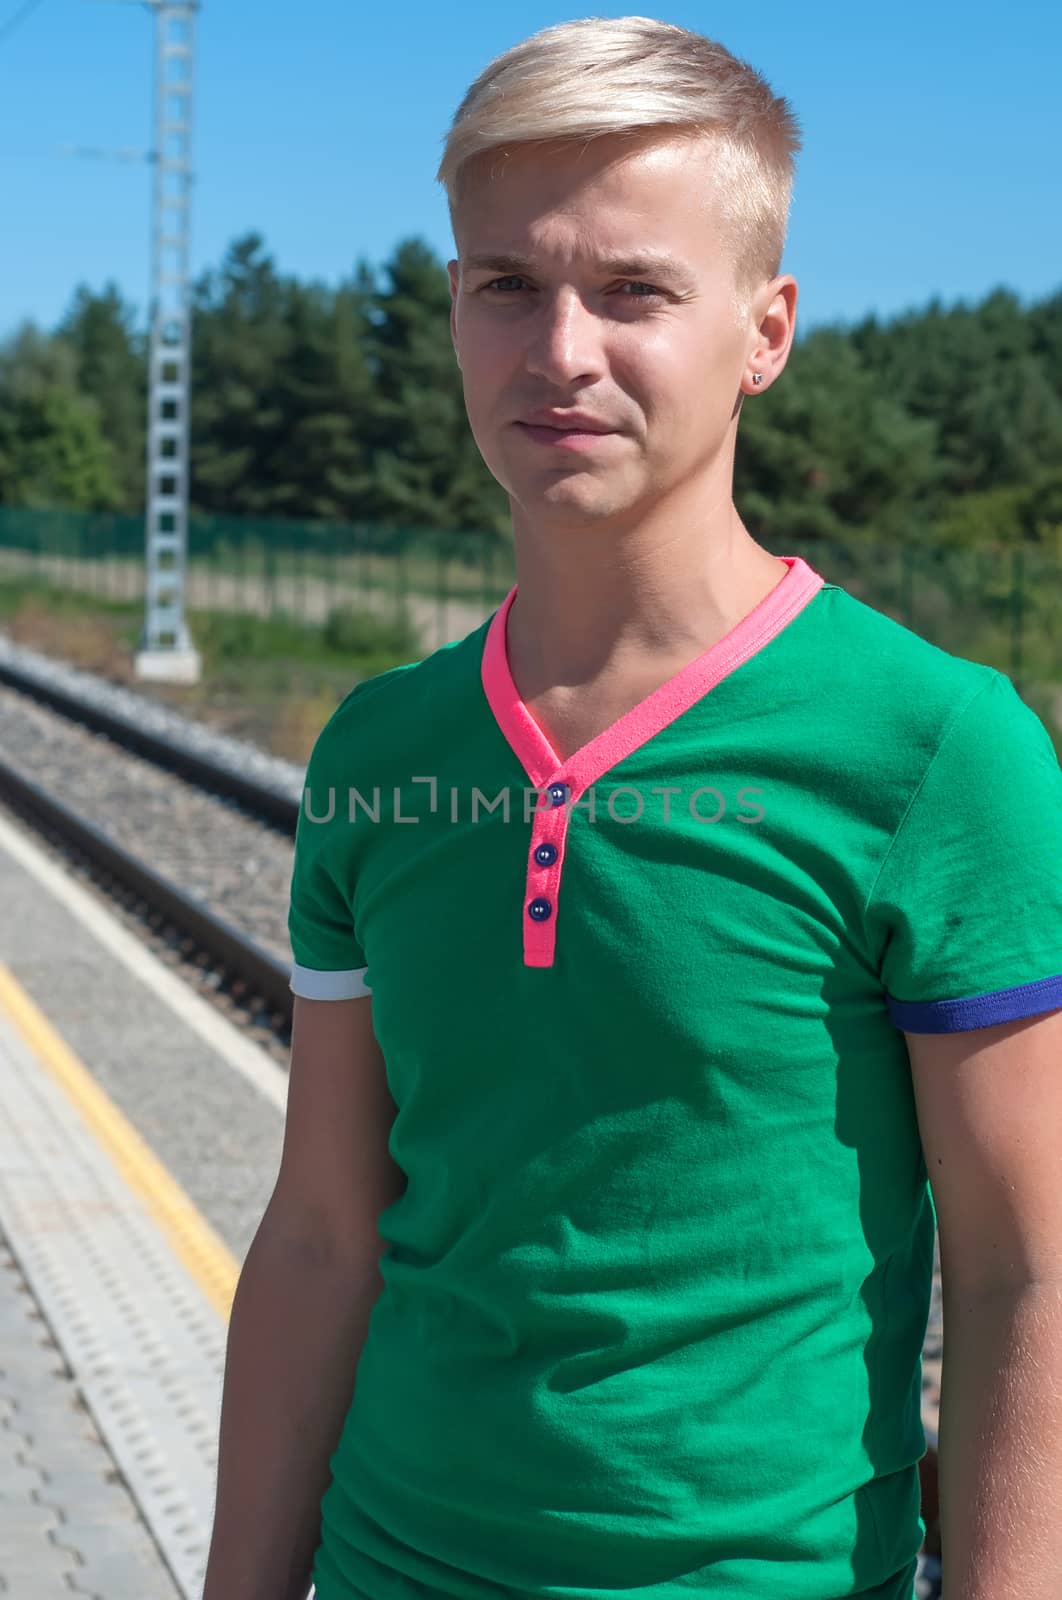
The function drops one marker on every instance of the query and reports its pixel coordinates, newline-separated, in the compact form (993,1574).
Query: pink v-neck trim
(635,728)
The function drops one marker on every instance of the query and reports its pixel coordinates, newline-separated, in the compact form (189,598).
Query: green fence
(445,582)
(997,604)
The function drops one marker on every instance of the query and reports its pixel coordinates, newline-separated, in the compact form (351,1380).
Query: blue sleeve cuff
(976,1010)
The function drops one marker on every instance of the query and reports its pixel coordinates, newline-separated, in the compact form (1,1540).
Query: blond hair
(582,80)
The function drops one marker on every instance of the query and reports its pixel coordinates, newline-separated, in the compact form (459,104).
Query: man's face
(656,356)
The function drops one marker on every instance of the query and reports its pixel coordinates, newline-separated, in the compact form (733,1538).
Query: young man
(649,944)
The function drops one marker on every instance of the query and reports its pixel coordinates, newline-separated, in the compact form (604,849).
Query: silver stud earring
(757,377)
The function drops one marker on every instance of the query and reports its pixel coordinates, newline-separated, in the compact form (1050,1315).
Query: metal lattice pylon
(166,647)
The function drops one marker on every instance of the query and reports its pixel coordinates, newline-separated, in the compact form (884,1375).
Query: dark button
(546,855)
(558,793)
(540,910)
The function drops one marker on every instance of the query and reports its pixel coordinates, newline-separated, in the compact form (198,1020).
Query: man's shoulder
(403,695)
(881,663)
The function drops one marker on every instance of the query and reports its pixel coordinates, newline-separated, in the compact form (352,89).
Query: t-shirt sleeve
(966,909)
(329,963)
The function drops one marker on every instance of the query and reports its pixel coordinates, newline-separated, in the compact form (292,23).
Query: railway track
(83,738)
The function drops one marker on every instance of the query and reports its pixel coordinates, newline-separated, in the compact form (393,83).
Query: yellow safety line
(205,1255)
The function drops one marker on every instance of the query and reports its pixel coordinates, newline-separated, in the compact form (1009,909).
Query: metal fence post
(907,584)
(269,570)
(401,575)
(1017,614)
(440,594)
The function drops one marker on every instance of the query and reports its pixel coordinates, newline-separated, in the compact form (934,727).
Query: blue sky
(930,160)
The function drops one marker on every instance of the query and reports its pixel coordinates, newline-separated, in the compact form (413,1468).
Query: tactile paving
(144,1346)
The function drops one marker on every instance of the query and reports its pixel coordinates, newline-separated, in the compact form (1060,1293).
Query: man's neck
(585,628)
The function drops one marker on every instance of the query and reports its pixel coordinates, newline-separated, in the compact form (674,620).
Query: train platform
(140,1138)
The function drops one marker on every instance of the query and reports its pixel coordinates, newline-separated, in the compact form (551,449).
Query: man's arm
(1000,1451)
(990,1113)
(302,1307)
(297,1329)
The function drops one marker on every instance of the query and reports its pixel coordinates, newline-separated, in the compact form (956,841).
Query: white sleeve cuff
(315,985)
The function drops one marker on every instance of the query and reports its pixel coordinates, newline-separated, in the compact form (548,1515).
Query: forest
(940,427)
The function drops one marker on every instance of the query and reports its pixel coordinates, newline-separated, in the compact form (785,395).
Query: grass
(272,681)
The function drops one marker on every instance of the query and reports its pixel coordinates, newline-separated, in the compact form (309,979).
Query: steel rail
(263,803)
(235,953)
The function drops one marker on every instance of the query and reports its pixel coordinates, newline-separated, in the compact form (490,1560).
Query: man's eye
(654,293)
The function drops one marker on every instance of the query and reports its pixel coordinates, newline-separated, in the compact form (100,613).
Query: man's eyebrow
(654,263)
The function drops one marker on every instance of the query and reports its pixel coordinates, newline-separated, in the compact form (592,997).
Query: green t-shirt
(656,1291)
